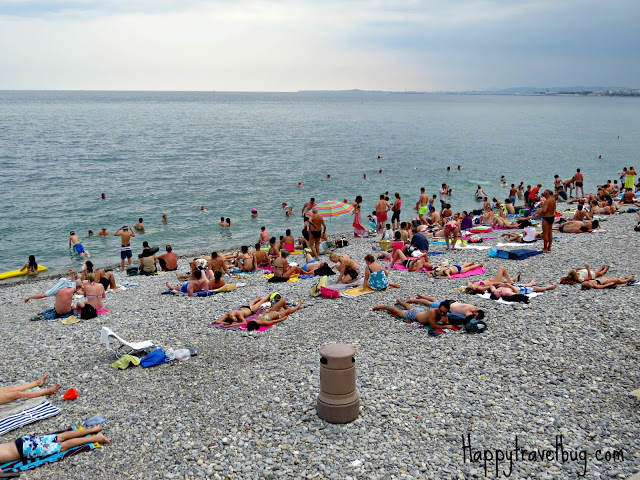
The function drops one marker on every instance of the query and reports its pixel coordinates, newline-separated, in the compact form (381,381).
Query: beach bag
(315,290)
(341,243)
(329,292)
(131,271)
(88,311)
(323,270)
(475,326)
(495,253)
(475,239)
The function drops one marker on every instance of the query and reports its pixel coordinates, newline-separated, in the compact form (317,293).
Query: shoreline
(244,407)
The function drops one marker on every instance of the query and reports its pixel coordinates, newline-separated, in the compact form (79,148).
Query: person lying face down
(434,317)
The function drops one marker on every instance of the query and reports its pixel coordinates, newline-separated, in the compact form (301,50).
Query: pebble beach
(562,366)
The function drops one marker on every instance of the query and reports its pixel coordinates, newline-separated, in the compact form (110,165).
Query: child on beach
(31,447)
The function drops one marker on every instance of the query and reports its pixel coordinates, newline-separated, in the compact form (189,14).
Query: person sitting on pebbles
(579,275)
(15,392)
(33,447)
(376,276)
(200,283)
(281,267)
(347,267)
(606,282)
(433,317)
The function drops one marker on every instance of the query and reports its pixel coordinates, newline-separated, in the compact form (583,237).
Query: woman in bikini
(579,275)
(93,292)
(412,264)
(244,261)
(272,317)
(446,272)
(281,267)
(31,266)
(606,282)
(238,316)
(502,276)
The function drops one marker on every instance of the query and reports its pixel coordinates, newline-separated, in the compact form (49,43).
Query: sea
(155,153)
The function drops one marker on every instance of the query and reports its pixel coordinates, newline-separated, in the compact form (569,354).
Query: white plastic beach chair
(124,347)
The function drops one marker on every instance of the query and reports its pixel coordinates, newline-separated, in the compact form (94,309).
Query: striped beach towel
(27,416)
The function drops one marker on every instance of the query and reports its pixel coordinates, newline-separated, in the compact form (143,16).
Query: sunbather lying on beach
(15,392)
(272,317)
(507,290)
(447,271)
(198,284)
(606,282)
(579,275)
(413,264)
(434,317)
(502,276)
(238,317)
(586,226)
(33,447)
(528,236)
(458,311)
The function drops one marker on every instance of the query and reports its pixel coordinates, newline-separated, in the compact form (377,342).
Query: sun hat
(70,320)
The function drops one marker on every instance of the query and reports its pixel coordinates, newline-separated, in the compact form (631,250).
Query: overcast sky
(254,45)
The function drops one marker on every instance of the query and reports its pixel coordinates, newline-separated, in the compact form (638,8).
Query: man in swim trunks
(382,207)
(125,233)
(103,232)
(348,268)
(198,284)
(74,242)
(578,179)
(63,290)
(434,317)
(507,290)
(423,204)
(458,311)
(586,226)
(547,212)
(317,228)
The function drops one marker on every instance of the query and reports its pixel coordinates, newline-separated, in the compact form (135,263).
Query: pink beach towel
(475,271)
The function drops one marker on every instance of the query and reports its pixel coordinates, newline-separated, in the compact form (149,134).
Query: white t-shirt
(529,234)
(584,275)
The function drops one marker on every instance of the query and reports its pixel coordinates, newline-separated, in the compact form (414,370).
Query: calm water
(156,153)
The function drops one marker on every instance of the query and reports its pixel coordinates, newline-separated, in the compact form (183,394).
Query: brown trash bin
(338,401)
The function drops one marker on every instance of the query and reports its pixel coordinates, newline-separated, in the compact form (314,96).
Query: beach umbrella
(333,208)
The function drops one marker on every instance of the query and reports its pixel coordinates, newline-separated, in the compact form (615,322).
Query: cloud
(289,45)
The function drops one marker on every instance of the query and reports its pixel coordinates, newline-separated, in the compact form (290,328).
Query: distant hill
(495,91)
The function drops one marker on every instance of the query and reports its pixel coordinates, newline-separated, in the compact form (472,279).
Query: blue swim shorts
(36,447)
(412,314)
(79,248)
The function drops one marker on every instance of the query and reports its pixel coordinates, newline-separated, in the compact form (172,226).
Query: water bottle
(171,354)
(182,354)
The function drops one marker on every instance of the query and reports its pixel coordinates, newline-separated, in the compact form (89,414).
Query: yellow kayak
(18,273)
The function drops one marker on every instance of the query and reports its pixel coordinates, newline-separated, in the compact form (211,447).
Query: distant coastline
(522,91)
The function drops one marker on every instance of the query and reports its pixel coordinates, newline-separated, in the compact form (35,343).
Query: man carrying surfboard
(74,242)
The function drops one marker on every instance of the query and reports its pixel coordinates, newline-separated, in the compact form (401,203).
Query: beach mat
(291,279)
(357,291)
(28,415)
(16,466)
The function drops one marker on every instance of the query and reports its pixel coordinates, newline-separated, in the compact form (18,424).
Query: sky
(283,45)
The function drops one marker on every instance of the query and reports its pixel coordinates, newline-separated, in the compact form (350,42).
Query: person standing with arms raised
(125,233)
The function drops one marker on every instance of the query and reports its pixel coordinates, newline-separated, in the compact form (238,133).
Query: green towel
(124,361)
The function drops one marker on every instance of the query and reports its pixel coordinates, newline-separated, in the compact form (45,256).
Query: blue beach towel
(518,254)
